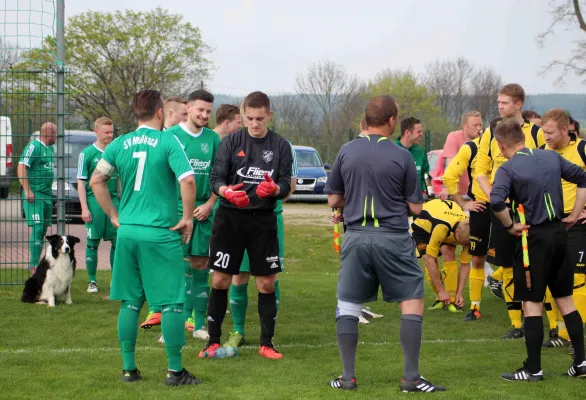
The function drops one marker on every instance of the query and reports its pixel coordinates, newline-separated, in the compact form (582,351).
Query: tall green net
(35,153)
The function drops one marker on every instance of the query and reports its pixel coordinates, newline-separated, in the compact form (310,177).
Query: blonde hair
(558,115)
(463,232)
(469,114)
(102,121)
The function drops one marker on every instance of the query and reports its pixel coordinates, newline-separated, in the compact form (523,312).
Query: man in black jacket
(252,170)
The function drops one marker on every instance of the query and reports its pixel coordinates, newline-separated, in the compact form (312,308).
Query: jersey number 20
(141,155)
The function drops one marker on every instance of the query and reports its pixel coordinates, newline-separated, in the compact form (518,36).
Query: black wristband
(510,226)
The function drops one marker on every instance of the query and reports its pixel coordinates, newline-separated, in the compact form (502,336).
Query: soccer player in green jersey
(36,175)
(97,224)
(228,120)
(201,145)
(148,263)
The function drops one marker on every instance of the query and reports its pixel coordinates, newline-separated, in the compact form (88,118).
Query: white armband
(105,168)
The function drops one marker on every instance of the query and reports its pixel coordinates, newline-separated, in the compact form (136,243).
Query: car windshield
(307,159)
(72,151)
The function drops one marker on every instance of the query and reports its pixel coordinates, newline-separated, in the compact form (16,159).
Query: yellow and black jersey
(490,157)
(465,162)
(575,152)
(439,219)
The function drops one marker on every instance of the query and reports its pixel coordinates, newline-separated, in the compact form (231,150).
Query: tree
(486,85)
(334,98)
(567,13)
(114,55)
(414,99)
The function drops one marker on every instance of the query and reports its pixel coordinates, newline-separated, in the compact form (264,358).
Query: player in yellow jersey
(443,222)
(501,249)
(573,149)
(479,209)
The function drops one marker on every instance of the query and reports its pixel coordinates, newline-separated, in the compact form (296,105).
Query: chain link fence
(35,154)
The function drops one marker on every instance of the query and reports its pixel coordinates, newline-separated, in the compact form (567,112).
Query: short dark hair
(201,94)
(514,91)
(146,103)
(528,114)
(408,124)
(576,127)
(226,112)
(509,132)
(379,110)
(257,100)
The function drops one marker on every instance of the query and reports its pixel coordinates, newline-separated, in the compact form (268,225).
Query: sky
(264,44)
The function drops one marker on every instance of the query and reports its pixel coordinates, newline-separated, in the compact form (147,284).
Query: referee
(376,183)
(252,171)
(532,178)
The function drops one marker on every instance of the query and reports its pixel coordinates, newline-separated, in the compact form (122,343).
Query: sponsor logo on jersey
(254,173)
(267,155)
(205,148)
(199,165)
(49,165)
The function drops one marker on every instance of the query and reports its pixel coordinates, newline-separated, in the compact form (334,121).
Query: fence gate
(33,79)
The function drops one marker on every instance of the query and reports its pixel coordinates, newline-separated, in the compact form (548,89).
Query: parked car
(436,170)
(5,156)
(75,142)
(312,175)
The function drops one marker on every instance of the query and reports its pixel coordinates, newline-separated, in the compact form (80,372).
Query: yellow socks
(475,287)
(513,307)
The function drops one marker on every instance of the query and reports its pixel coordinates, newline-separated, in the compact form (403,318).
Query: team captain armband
(105,168)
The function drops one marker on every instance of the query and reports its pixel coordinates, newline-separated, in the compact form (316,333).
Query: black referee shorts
(234,231)
(480,231)
(577,247)
(501,249)
(549,263)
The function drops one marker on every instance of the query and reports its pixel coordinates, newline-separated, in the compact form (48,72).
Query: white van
(5,156)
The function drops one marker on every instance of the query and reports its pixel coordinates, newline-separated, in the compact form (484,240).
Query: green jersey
(38,157)
(88,160)
(201,152)
(149,162)
(421,163)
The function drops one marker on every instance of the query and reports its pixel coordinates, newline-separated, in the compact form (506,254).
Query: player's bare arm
(578,210)
(433,270)
(469,205)
(201,213)
(336,200)
(415,208)
(99,185)
(462,279)
(185,225)
(86,216)
(484,184)
(23,179)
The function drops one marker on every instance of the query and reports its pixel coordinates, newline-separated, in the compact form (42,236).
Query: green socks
(188,305)
(200,289)
(238,306)
(91,259)
(35,244)
(173,332)
(127,332)
(112,253)
(278,293)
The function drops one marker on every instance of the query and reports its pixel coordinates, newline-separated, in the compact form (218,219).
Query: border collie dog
(54,273)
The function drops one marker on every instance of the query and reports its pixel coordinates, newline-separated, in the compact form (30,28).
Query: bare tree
(334,94)
(567,13)
(486,84)
(9,55)
(293,118)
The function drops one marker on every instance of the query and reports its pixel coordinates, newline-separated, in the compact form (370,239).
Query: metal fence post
(61,117)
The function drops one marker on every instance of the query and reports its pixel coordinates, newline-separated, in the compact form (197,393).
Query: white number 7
(581,255)
(141,155)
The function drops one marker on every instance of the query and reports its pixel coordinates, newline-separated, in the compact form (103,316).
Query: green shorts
(200,238)
(100,227)
(245,266)
(148,265)
(39,211)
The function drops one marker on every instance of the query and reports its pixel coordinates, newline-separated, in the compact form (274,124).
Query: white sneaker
(92,287)
(366,313)
(161,339)
(201,334)
(363,320)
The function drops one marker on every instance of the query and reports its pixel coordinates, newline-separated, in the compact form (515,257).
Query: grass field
(71,352)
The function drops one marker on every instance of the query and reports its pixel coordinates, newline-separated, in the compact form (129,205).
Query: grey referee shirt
(532,177)
(377,179)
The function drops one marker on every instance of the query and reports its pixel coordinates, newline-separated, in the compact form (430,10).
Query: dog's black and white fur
(54,273)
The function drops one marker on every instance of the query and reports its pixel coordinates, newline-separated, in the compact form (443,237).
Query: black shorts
(501,248)
(549,264)
(577,247)
(234,231)
(480,231)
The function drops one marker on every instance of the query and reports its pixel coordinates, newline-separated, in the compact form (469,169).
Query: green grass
(71,352)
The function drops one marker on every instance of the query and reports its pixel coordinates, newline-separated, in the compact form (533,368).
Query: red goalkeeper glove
(236,196)
(266,188)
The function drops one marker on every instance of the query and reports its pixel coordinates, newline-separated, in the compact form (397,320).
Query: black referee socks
(267,311)
(533,342)
(576,332)
(216,312)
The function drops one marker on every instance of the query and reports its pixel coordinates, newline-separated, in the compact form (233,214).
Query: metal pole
(60,117)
